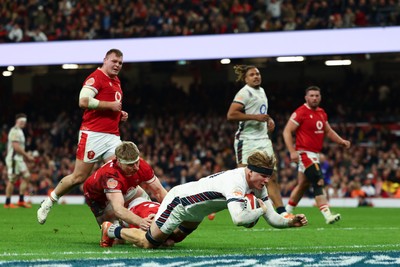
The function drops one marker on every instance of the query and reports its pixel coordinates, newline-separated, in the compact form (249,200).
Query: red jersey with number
(110,178)
(144,209)
(106,89)
(311,128)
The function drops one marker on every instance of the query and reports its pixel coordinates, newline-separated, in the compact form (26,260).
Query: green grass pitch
(72,233)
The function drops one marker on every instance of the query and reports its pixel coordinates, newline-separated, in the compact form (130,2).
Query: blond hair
(261,159)
(127,151)
(241,70)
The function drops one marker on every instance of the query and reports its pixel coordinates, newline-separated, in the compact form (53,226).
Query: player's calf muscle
(136,237)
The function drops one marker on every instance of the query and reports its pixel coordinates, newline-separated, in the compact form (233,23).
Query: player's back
(209,194)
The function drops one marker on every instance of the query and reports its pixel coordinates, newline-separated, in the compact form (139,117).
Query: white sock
(111,231)
(325,211)
(53,197)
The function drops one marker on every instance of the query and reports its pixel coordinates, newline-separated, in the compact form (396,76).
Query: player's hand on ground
(299,220)
(124,116)
(145,223)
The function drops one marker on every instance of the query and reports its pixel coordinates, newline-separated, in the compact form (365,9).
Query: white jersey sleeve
(273,218)
(240,215)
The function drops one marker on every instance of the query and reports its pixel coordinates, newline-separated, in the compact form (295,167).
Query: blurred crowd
(38,20)
(184,146)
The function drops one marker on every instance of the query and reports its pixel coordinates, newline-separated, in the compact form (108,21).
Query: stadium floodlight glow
(70,66)
(205,47)
(225,61)
(7,73)
(290,59)
(10,68)
(342,62)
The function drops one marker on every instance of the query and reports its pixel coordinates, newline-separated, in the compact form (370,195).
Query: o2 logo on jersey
(118,96)
(263,109)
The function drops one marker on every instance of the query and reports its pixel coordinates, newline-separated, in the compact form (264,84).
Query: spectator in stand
(147,19)
(16,34)
(37,35)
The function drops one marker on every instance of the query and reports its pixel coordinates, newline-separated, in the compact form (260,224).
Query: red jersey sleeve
(145,173)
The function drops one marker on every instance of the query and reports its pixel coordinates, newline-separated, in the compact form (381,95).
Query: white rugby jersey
(15,135)
(254,101)
(214,192)
(193,201)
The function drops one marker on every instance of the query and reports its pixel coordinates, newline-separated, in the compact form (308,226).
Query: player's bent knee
(318,190)
(313,173)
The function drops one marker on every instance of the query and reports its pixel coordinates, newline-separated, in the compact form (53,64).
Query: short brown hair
(313,88)
(115,51)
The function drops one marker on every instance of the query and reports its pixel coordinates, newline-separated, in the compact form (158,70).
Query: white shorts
(93,146)
(16,168)
(306,159)
(244,148)
(172,212)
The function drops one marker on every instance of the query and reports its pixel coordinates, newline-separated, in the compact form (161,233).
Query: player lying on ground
(185,206)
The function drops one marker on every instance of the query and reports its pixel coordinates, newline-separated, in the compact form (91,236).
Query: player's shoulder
(321,110)
(15,131)
(145,170)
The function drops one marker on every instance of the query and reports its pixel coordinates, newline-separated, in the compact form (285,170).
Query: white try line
(209,252)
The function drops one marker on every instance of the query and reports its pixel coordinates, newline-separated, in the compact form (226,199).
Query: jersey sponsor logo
(91,154)
(111,84)
(263,109)
(319,126)
(112,183)
(294,115)
(90,81)
(118,96)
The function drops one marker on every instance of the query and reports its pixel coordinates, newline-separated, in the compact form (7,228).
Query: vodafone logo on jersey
(112,183)
(320,126)
(118,96)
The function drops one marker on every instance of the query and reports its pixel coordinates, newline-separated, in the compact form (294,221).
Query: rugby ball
(251,203)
